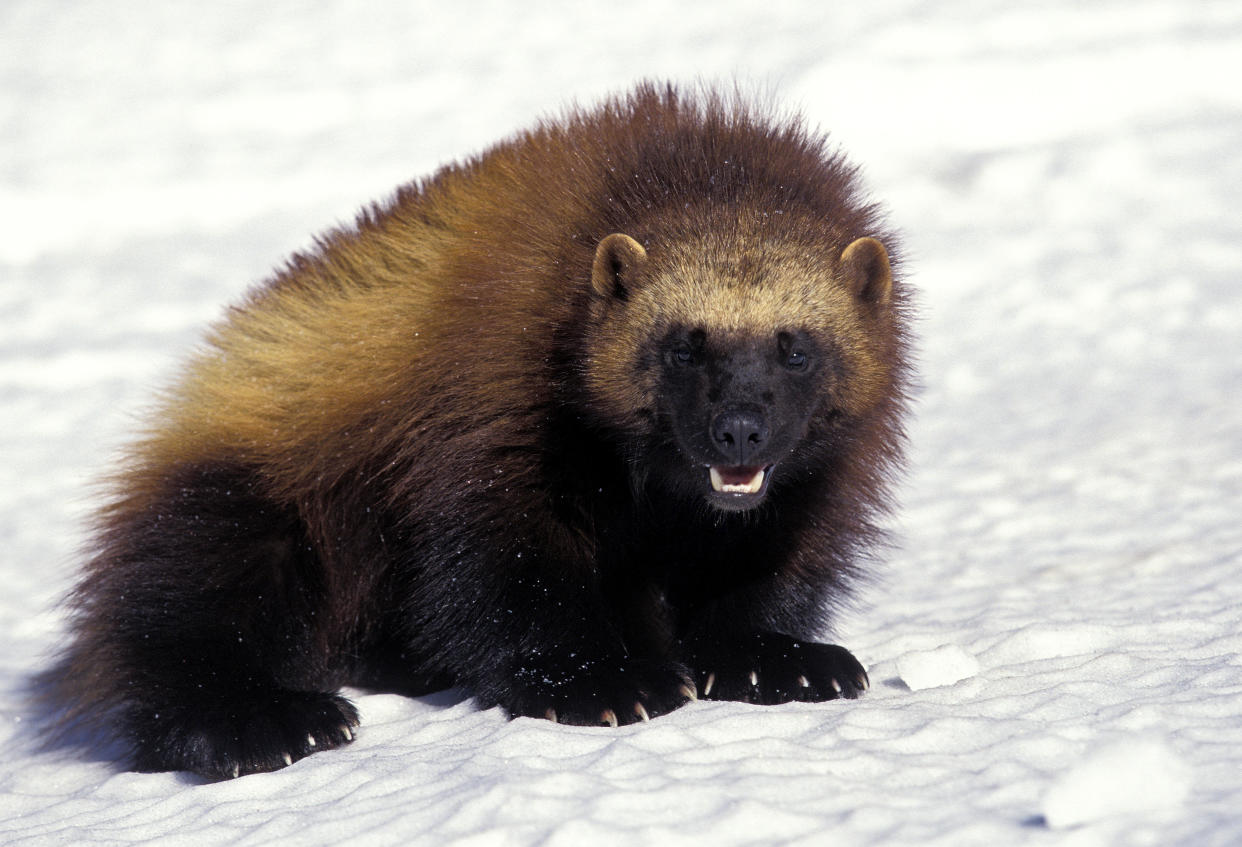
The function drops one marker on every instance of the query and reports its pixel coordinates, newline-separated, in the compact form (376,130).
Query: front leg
(755,666)
(545,642)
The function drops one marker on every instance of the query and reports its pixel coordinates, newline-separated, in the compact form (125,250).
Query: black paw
(226,740)
(768,668)
(594,692)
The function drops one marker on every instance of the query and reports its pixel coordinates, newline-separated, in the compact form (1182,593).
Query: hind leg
(248,732)
(200,628)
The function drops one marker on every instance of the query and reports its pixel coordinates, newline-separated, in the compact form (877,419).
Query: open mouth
(739,480)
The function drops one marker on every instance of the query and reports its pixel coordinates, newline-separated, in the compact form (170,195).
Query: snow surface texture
(1064,603)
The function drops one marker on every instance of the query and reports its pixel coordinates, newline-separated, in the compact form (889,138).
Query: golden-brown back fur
(438,268)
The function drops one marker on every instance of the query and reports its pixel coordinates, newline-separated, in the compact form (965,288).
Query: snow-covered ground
(1056,642)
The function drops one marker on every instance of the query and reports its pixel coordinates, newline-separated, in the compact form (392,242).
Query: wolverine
(593,424)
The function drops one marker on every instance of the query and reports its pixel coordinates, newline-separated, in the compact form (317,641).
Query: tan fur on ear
(866,269)
(616,259)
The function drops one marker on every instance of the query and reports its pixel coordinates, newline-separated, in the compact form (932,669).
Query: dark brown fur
(441,447)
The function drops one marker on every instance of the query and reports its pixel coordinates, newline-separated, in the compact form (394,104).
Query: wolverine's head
(730,360)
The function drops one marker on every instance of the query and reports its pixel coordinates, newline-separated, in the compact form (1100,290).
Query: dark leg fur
(196,630)
(580,685)
(734,603)
(738,653)
(562,656)
(208,630)
(615,659)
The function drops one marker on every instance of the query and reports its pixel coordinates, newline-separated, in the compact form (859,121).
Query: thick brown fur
(441,448)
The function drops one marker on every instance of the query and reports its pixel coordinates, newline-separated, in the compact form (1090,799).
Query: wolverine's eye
(796,360)
(686,349)
(792,347)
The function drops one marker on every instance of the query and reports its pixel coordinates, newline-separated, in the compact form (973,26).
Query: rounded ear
(866,270)
(618,258)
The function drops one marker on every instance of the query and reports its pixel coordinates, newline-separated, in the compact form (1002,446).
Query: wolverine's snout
(739,435)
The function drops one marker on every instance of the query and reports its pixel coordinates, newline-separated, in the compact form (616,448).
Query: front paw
(769,668)
(572,689)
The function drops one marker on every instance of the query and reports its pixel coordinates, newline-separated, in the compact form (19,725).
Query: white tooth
(751,487)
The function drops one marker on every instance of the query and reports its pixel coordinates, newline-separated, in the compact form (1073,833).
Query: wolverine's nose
(738,435)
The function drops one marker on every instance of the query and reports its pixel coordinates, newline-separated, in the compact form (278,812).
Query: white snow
(1127,776)
(1068,177)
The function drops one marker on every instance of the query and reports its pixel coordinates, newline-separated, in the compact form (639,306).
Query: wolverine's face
(730,362)
(736,405)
